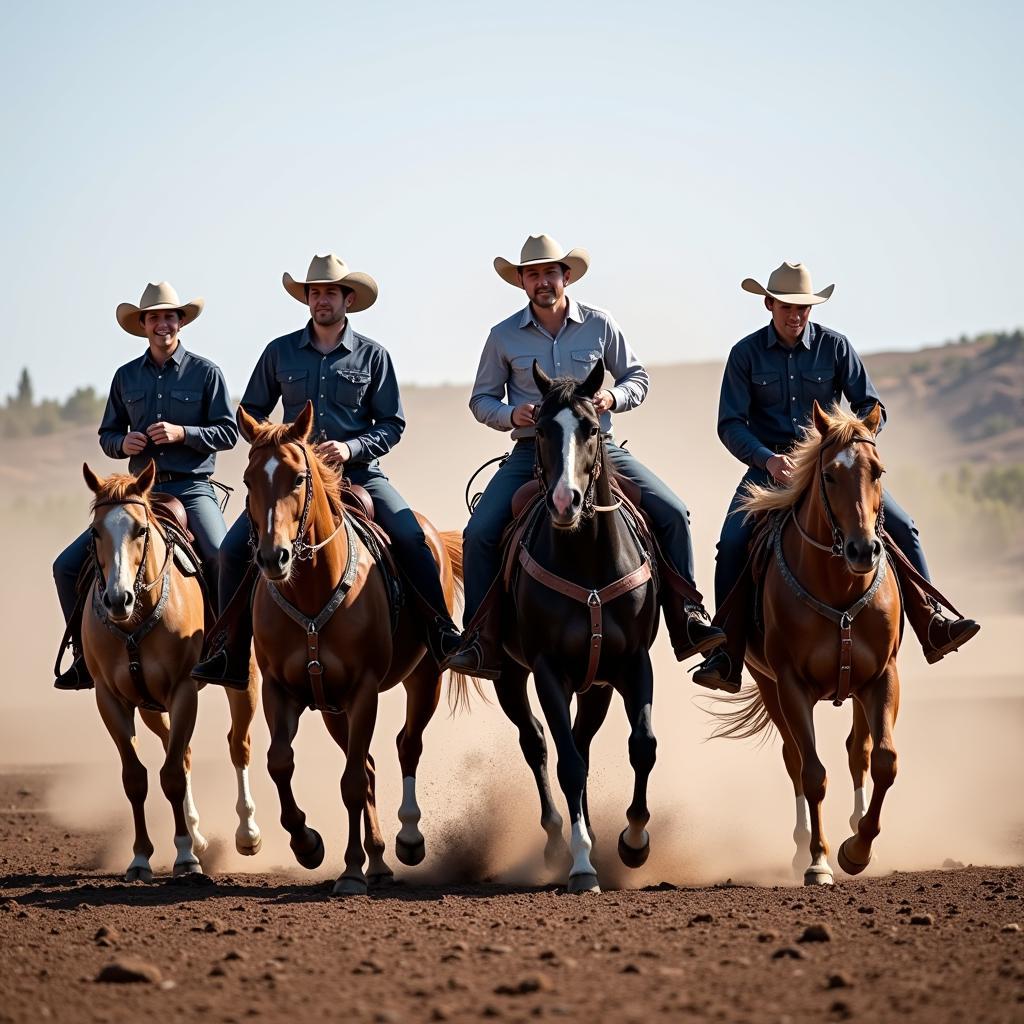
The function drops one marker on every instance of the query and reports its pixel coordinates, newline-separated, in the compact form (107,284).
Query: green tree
(25,395)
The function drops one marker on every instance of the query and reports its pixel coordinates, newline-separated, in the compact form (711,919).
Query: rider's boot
(479,654)
(230,645)
(77,676)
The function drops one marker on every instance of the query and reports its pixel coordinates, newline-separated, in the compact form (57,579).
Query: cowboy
(358,419)
(565,338)
(771,381)
(169,405)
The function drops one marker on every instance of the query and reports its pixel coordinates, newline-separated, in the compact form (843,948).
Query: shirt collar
(177,358)
(772,338)
(574,313)
(345,341)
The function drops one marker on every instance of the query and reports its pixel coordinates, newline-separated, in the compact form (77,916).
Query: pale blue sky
(686,145)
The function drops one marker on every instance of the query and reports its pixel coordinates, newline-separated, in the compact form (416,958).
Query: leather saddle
(358,499)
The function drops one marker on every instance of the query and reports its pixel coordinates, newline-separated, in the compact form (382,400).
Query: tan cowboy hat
(539,249)
(330,270)
(790,283)
(156,296)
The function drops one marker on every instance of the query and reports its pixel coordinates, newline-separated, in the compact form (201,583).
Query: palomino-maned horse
(142,632)
(831,630)
(324,637)
(583,610)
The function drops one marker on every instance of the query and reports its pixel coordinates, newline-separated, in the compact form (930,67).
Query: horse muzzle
(274,563)
(120,605)
(564,506)
(862,555)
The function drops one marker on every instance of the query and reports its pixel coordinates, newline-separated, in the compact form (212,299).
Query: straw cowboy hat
(330,270)
(156,296)
(790,283)
(540,249)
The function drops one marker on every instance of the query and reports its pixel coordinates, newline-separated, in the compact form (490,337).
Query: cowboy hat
(156,296)
(330,270)
(540,249)
(791,283)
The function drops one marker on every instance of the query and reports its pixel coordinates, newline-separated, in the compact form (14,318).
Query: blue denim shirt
(768,389)
(353,389)
(187,390)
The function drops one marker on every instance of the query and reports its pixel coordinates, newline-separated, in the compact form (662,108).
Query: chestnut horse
(142,632)
(831,618)
(324,637)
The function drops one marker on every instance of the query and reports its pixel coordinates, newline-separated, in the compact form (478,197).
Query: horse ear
(595,379)
(246,423)
(541,379)
(303,425)
(873,420)
(145,480)
(819,419)
(93,482)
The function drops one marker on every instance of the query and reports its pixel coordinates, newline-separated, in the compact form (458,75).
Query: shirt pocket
(820,385)
(186,407)
(293,386)
(350,388)
(135,404)
(765,390)
(522,377)
(582,361)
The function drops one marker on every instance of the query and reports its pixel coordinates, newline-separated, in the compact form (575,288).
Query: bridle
(140,585)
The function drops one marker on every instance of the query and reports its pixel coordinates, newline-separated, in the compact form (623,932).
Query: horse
(582,610)
(142,631)
(324,637)
(832,617)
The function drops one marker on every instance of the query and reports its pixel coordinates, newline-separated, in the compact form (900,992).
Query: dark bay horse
(583,610)
(142,632)
(831,630)
(324,637)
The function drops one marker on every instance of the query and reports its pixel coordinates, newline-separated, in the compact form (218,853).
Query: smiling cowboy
(771,381)
(358,417)
(566,338)
(169,405)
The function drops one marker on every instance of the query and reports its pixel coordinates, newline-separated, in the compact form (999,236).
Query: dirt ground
(932,945)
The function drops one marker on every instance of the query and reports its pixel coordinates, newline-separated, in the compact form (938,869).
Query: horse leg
(242,704)
(173,778)
(798,711)
(638,695)
(591,711)
(423,689)
(282,712)
(119,719)
(553,692)
(515,702)
(881,702)
(858,752)
(362,717)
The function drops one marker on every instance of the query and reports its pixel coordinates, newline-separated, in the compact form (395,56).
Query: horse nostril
(851,551)
(106,599)
(876,548)
(577,499)
(283,558)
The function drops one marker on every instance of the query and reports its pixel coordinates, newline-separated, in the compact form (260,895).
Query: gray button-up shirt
(188,391)
(353,389)
(506,364)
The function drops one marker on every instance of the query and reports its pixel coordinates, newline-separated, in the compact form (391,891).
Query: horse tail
(459,685)
(744,717)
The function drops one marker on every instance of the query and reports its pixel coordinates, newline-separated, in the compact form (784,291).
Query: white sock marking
(860,806)
(248,832)
(580,847)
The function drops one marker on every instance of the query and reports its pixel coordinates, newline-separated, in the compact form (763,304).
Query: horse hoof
(851,867)
(313,858)
(634,858)
(583,883)
(818,876)
(346,886)
(410,854)
(249,847)
(190,868)
(138,875)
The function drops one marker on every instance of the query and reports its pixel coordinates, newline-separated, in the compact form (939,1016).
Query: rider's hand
(522,415)
(604,401)
(134,442)
(781,468)
(165,433)
(334,453)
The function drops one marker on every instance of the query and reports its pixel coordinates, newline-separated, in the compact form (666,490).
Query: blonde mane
(276,435)
(843,427)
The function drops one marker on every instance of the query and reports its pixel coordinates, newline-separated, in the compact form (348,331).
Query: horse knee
(643,750)
(883,766)
(172,782)
(814,782)
(572,773)
(135,782)
(280,761)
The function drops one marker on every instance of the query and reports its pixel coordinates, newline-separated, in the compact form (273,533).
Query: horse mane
(565,393)
(275,435)
(843,427)
(118,488)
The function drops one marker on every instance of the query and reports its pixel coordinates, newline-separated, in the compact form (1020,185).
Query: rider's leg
(685,617)
(205,520)
(66,567)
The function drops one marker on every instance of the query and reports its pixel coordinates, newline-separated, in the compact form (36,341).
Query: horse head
(120,536)
(850,484)
(568,444)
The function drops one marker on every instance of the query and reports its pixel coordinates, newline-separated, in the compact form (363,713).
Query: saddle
(357,498)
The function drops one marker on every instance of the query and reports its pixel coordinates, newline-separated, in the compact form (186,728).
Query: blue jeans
(736,534)
(204,520)
(481,541)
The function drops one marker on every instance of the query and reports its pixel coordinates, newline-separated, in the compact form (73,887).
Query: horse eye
(593,431)
(829,478)
(300,480)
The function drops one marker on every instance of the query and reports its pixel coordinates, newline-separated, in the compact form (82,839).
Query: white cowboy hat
(790,283)
(330,270)
(156,296)
(540,249)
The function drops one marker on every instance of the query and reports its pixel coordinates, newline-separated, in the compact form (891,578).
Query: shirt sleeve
(857,386)
(487,402)
(734,413)
(631,380)
(219,432)
(386,411)
(115,424)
